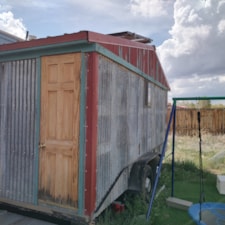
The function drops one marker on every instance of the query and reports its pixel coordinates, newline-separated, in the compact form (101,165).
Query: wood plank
(212,121)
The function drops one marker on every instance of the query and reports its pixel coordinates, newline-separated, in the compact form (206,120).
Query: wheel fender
(139,171)
(135,181)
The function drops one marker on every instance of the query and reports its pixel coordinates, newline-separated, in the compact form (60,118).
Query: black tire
(147,182)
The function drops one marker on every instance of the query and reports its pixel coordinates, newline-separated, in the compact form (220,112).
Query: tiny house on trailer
(82,119)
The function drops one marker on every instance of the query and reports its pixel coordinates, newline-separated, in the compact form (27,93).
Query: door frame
(82,145)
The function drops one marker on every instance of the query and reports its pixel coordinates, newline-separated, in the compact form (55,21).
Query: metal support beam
(160,164)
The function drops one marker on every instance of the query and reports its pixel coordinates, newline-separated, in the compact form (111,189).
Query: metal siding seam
(22,118)
(30,108)
(82,135)
(19,115)
(25,117)
(10,127)
(19,121)
(37,134)
(3,124)
(91,134)
(10,132)
(14,129)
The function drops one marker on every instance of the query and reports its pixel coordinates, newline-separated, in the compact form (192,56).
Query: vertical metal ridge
(35,108)
(19,98)
(127,128)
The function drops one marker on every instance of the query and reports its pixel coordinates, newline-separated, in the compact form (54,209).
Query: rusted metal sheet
(127,128)
(18,99)
(138,54)
(8,218)
(144,59)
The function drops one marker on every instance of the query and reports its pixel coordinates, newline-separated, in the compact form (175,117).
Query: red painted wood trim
(91,133)
(83,35)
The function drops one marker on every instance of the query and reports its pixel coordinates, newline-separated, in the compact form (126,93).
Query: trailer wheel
(147,182)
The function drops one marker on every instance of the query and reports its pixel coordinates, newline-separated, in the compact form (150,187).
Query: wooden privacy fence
(212,121)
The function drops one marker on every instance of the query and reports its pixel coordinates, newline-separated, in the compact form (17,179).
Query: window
(148,94)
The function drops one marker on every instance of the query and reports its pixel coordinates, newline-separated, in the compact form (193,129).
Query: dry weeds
(187,149)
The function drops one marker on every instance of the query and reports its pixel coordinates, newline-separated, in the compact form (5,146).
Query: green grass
(186,186)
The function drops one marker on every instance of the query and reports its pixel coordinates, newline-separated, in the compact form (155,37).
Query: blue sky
(189,34)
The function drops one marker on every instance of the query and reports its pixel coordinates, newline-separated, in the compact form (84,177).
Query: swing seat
(212,213)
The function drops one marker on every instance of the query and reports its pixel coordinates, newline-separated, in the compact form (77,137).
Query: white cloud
(192,32)
(11,25)
(197,87)
(94,15)
(195,49)
(150,8)
(221,6)
(221,27)
(55,17)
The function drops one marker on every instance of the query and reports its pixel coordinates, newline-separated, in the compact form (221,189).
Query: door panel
(59,134)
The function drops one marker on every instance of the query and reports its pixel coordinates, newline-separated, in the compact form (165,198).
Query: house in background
(6,38)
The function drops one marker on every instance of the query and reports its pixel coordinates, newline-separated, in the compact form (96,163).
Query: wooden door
(59,133)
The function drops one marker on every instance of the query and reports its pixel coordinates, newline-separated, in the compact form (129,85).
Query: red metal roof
(142,56)
(82,35)
(44,41)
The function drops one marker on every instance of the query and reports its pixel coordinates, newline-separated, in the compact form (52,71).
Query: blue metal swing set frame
(203,213)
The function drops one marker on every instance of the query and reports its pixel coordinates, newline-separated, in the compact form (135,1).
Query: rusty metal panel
(127,128)
(18,99)
(138,54)
(144,59)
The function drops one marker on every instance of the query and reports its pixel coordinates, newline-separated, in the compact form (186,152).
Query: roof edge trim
(42,50)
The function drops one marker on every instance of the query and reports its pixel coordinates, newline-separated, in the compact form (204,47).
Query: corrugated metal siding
(144,59)
(18,98)
(126,127)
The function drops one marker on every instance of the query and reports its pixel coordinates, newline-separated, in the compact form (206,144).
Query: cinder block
(178,203)
(220,184)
